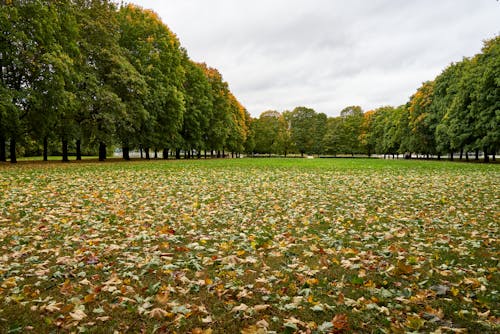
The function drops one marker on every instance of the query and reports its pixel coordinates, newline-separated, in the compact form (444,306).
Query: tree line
(457,113)
(85,75)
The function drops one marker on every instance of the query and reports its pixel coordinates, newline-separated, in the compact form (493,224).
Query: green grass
(286,245)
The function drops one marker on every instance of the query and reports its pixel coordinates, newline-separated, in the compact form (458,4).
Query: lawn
(250,246)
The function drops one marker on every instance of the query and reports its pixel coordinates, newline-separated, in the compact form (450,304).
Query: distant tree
(352,119)
(267,132)
(423,120)
(303,125)
(334,141)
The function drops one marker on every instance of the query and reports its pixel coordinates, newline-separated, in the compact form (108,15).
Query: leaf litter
(249,249)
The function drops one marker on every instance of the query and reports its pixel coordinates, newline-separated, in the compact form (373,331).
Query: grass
(252,245)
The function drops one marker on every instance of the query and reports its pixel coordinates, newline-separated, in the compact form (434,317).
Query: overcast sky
(328,54)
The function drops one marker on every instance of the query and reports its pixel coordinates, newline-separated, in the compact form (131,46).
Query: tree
(485,104)
(303,124)
(352,118)
(199,106)
(267,132)
(423,120)
(335,137)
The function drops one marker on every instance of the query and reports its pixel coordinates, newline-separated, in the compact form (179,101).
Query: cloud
(327,54)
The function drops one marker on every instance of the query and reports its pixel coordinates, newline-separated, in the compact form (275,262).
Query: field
(250,246)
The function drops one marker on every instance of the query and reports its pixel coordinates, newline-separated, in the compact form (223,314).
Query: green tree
(352,118)
(267,132)
(303,123)
(199,106)
(485,104)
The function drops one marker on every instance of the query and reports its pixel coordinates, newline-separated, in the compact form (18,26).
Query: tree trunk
(177,153)
(65,150)
(461,153)
(45,148)
(451,156)
(147,153)
(467,156)
(223,154)
(126,152)
(140,150)
(78,150)
(156,153)
(477,154)
(13,158)
(486,157)
(205,154)
(3,153)
(165,153)
(102,151)
(439,156)
(218,154)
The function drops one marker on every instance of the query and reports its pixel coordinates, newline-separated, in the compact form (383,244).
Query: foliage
(96,73)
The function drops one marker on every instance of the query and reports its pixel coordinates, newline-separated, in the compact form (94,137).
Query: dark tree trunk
(218,154)
(223,154)
(78,150)
(3,152)
(186,156)
(369,153)
(165,153)
(126,152)
(439,156)
(65,150)
(467,156)
(477,155)
(177,153)
(13,158)
(205,154)
(147,153)
(211,153)
(156,153)
(199,154)
(45,148)
(451,156)
(486,157)
(102,151)
(461,153)
(140,150)
(494,155)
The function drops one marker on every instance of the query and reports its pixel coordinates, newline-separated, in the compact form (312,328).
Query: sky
(328,54)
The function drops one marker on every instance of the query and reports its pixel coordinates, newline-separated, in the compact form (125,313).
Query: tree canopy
(84,76)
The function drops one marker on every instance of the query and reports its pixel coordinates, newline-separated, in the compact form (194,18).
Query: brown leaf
(340,323)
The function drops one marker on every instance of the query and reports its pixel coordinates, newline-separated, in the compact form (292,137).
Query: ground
(250,245)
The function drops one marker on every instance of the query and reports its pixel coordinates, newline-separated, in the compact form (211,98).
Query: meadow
(250,246)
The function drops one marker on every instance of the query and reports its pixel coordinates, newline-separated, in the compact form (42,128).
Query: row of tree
(86,75)
(457,112)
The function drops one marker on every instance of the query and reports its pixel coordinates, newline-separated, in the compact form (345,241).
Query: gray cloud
(328,54)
